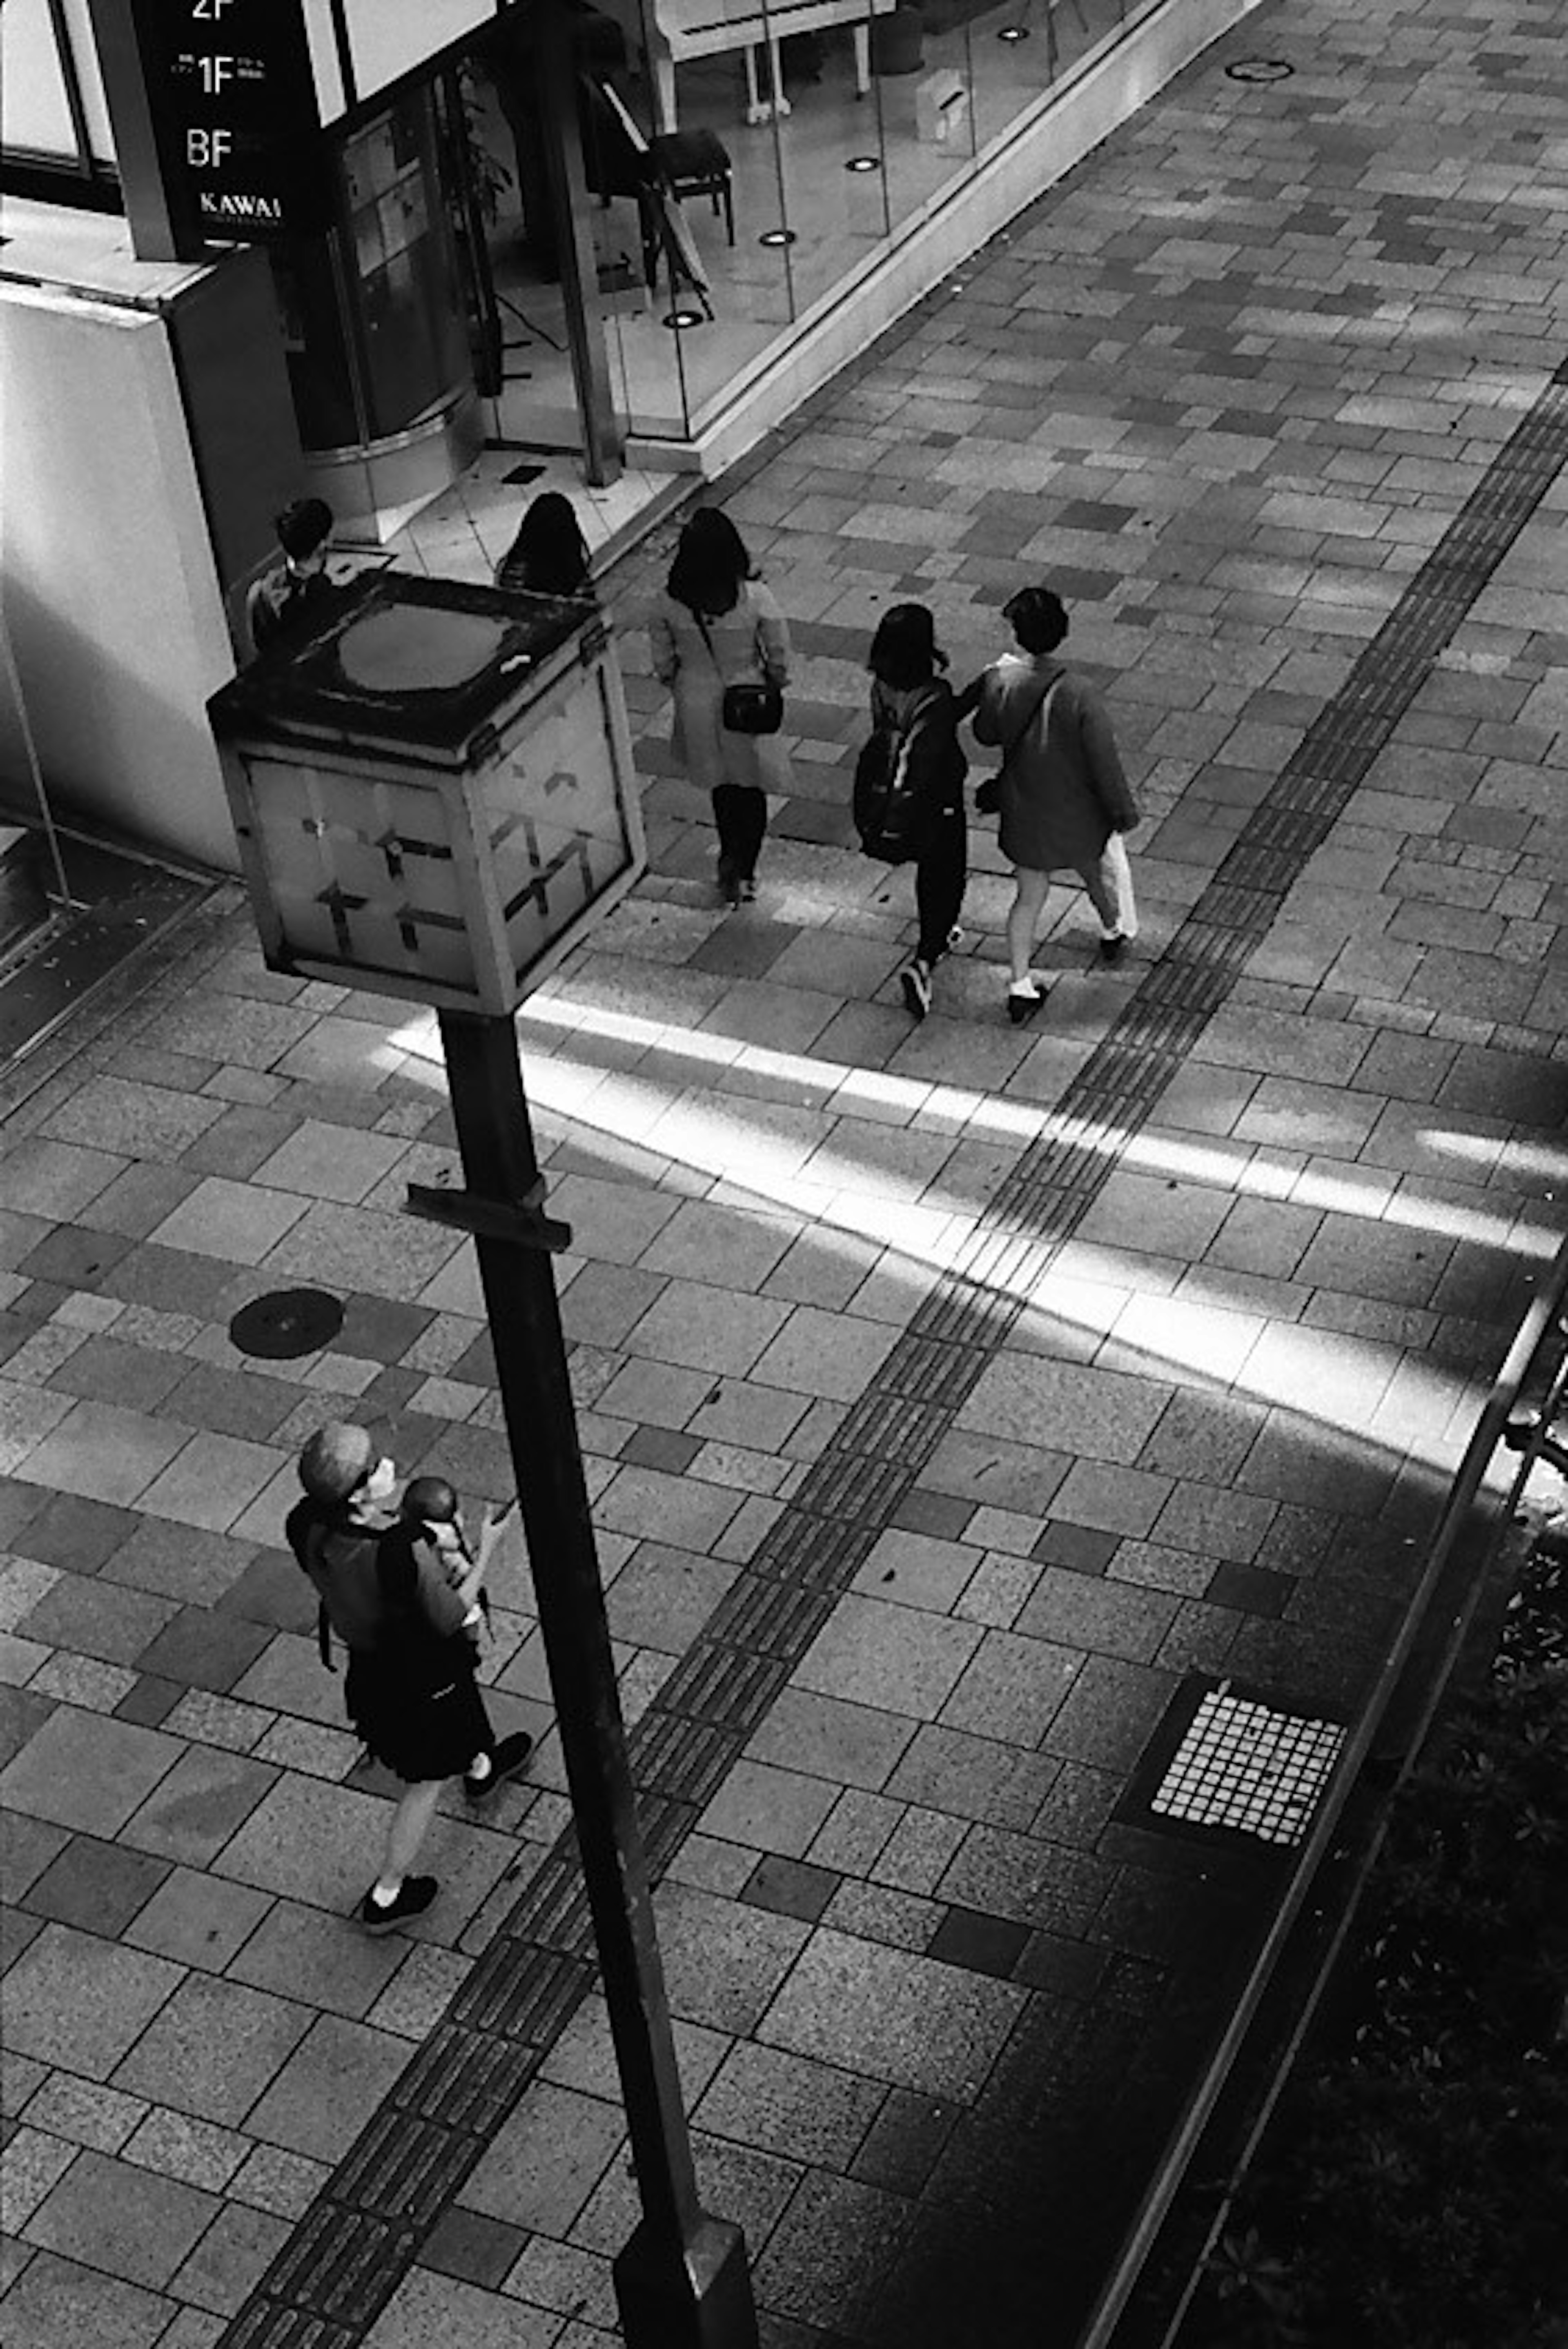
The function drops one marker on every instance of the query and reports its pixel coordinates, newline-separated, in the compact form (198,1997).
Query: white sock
(479,1768)
(384,1890)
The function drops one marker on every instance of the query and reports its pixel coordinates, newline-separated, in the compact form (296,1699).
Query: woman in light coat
(1066,802)
(714,625)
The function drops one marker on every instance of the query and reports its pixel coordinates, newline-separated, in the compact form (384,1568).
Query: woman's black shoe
(509,1760)
(414,1896)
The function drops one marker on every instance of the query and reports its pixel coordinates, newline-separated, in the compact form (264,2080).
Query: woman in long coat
(714,625)
(1065,801)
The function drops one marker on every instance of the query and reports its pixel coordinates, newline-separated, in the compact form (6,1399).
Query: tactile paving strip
(1243,1767)
(330,2281)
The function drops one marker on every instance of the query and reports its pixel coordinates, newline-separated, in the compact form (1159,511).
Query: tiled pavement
(949,1395)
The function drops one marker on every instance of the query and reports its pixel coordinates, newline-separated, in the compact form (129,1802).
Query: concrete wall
(107,587)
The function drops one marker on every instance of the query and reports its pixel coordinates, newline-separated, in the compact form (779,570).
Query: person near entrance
(549,555)
(714,628)
(412,1636)
(297,590)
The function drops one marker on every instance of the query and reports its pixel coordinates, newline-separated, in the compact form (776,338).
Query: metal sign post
(682,2282)
(433,796)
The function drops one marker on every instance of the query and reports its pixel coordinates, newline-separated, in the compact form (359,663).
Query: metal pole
(158,233)
(682,2281)
(602,447)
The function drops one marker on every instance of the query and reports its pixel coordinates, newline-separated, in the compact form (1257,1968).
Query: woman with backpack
(1065,800)
(914,718)
(719,641)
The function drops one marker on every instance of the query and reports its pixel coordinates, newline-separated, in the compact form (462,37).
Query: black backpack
(886,810)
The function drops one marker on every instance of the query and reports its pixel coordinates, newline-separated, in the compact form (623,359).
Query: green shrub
(1409,2192)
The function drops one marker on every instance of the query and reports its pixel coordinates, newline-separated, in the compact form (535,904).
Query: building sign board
(235,119)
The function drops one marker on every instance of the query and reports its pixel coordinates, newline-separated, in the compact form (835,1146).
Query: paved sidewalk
(957,1400)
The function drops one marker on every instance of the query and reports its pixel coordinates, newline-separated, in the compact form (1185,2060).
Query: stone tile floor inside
(1205,1366)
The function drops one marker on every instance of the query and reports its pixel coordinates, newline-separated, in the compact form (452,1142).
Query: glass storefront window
(53,118)
(811,136)
(743,161)
(83,51)
(372,317)
(832,144)
(647,271)
(400,264)
(34,110)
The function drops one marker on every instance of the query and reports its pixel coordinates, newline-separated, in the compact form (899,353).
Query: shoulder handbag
(753,707)
(988,797)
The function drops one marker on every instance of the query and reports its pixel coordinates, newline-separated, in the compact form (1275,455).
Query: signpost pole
(682,2281)
(452,877)
(157,230)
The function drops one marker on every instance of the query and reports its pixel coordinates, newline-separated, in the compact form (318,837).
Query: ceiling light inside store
(678,320)
(777,236)
(862,163)
(1014,32)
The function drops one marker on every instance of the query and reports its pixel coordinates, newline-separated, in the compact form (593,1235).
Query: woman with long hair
(912,698)
(548,556)
(714,626)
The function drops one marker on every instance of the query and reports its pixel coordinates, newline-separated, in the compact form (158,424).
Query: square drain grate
(1243,1765)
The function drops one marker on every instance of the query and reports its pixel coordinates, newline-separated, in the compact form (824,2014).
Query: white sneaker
(1025,997)
(916,981)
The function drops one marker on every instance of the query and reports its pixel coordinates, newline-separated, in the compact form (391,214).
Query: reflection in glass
(747,157)
(827,89)
(1023,47)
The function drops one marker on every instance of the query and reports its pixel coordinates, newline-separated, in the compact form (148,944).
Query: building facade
(345,244)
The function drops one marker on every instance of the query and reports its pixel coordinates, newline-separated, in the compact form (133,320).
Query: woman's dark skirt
(422,1729)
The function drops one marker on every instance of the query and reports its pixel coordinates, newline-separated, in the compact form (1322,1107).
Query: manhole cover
(286,1323)
(1260,69)
(1243,1765)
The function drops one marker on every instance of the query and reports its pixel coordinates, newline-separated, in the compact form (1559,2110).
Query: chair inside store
(618,160)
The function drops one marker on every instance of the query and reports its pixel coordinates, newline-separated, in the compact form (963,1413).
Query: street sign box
(232,94)
(434,791)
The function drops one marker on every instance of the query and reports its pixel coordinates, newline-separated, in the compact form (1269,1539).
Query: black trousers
(939,877)
(741,819)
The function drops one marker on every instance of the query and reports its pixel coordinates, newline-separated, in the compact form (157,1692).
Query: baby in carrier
(431,1503)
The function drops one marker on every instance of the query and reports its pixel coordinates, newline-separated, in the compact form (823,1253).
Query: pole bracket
(521,1223)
